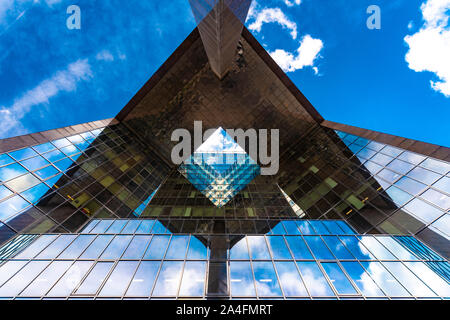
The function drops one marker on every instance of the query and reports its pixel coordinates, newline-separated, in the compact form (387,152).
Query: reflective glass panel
(290,279)
(142,283)
(314,279)
(338,278)
(241,279)
(266,279)
(168,279)
(119,279)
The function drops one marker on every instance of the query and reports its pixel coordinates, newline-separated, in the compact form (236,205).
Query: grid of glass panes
(101,173)
(418,184)
(177,197)
(220,176)
(297,259)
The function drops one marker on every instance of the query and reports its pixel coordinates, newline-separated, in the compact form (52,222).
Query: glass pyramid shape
(220,168)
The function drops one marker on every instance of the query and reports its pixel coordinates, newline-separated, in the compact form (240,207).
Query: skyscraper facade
(100,211)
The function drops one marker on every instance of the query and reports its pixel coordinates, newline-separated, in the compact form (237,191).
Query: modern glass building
(99,210)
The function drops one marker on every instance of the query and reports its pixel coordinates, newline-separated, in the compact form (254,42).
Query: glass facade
(59,185)
(296,259)
(377,188)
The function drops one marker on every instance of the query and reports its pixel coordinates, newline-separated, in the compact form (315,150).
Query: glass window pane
(290,279)
(4,192)
(116,247)
(131,226)
(337,247)
(409,280)
(96,247)
(12,171)
(365,284)
(177,247)
(266,279)
(8,269)
(119,279)
(385,280)
(376,248)
(319,227)
(338,278)
(54,155)
(63,164)
(95,278)
(145,226)
(435,165)
(318,248)
(5,159)
(439,285)
(197,250)
(90,226)
(37,246)
(22,278)
(396,248)
(381,159)
(411,157)
(410,185)
(193,283)
(314,279)
(117,226)
(137,247)
(443,184)
(258,248)
(356,248)
(11,206)
(23,154)
(298,248)
(423,210)
(142,283)
(46,172)
(46,279)
(34,163)
(423,175)
(399,197)
(278,247)
(57,246)
(36,193)
(22,183)
(306,228)
(241,279)
(70,279)
(345,227)
(240,251)
(443,224)
(278,229)
(291,227)
(333,227)
(157,248)
(400,166)
(102,226)
(158,227)
(60,143)
(168,279)
(77,247)
(439,199)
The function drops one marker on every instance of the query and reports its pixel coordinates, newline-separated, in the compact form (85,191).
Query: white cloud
(306,54)
(65,80)
(290,3)
(271,15)
(104,55)
(429,48)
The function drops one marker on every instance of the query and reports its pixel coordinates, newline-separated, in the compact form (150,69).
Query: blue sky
(394,80)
